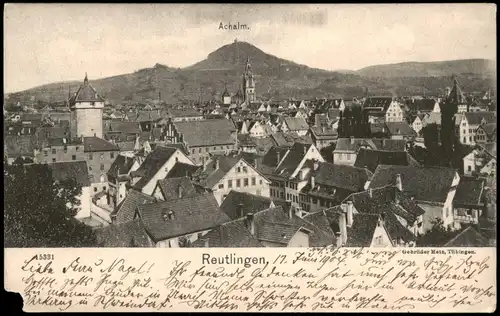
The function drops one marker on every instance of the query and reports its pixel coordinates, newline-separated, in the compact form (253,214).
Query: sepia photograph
(249,125)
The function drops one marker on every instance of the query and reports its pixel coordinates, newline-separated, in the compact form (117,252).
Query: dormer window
(92,103)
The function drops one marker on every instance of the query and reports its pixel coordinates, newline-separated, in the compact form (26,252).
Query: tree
(437,236)
(184,242)
(39,212)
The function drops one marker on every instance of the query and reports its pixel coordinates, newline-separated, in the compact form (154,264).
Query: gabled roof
(360,234)
(128,234)
(152,164)
(121,165)
(318,237)
(238,204)
(423,104)
(341,176)
(147,116)
(354,144)
(212,175)
(296,123)
(207,132)
(76,170)
(188,215)
(389,202)
(430,184)
(490,129)
(176,188)
(469,237)
(470,191)
(371,159)
(475,118)
(125,211)
(123,127)
(96,144)
(292,160)
(400,128)
(382,102)
(490,148)
(229,235)
(182,170)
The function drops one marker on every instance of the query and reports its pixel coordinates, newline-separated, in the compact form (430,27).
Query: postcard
(250,157)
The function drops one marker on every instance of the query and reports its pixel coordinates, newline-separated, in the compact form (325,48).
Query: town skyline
(106,49)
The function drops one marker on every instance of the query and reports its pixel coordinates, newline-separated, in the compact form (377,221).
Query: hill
(275,77)
(431,69)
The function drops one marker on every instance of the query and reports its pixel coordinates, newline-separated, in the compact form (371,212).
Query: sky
(45,43)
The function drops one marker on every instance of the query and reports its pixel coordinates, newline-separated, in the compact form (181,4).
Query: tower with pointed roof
(226,97)
(86,107)
(456,97)
(249,84)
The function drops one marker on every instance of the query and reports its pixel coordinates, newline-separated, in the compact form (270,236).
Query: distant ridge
(431,69)
(276,78)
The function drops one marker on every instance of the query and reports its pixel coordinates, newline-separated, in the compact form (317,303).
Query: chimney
(343,229)
(350,213)
(216,167)
(315,164)
(338,237)
(250,223)
(240,209)
(223,233)
(370,192)
(399,183)
(352,140)
(180,191)
(255,163)
(305,150)
(313,182)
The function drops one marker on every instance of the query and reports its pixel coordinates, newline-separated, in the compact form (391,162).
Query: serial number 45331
(45,256)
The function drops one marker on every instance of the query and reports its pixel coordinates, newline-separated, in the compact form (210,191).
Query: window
(469,168)
(104,188)
(245,182)
(245,169)
(102,156)
(199,150)
(91,156)
(206,149)
(470,138)
(45,153)
(102,167)
(53,159)
(215,148)
(221,186)
(95,189)
(253,180)
(73,157)
(229,184)
(53,151)
(90,168)
(192,151)
(112,155)
(65,149)
(238,169)
(76,148)
(238,183)
(92,103)
(260,181)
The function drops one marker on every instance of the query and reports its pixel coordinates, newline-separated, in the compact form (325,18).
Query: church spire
(86,80)
(248,67)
